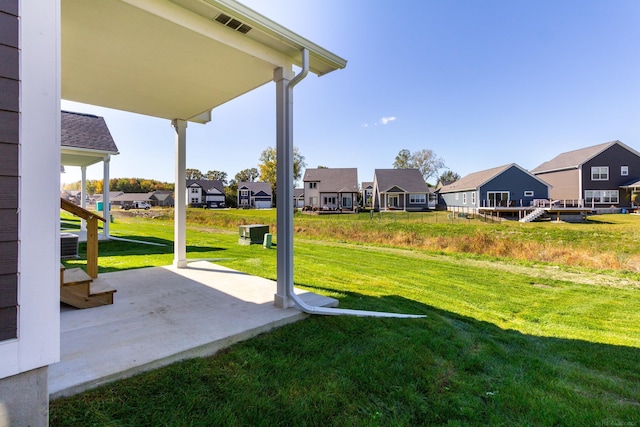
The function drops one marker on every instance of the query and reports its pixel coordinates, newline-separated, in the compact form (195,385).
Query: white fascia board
(206,27)
(282,34)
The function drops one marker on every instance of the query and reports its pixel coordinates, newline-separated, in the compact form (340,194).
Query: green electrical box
(252,234)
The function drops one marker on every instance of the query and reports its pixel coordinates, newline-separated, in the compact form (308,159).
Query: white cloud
(386,120)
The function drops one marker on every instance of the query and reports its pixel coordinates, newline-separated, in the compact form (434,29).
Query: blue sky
(481,83)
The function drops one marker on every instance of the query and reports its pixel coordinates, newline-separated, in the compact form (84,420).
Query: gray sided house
(400,189)
(503,186)
(599,176)
(205,193)
(256,195)
(331,189)
(367,194)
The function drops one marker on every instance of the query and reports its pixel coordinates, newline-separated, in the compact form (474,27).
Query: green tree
(425,160)
(403,160)
(268,167)
(231,194)
(448,176)
(247,175)
(216,176)
(193,174)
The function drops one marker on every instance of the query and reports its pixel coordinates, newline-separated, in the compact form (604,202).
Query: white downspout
(285,210)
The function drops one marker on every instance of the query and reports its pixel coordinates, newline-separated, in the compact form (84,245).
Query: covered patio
(163,315)
(179,60)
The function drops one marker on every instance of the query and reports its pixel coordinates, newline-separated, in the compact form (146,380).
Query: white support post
(106,210)
(83,195)
(180,214)
(284,187)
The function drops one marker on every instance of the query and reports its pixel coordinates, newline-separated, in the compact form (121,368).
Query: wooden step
(80,291)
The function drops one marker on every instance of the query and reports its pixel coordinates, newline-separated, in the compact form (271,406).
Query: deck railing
(92,233)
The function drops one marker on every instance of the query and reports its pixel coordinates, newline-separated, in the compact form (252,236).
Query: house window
(624,170)
(195,200)
(473,198)
(602,196)
(457,196)
(244,193)
(417,199)
(194,190)
(329,201)
(498,198)
(600,173)
(464,198)
(313,185)
(528,194)
(314,201)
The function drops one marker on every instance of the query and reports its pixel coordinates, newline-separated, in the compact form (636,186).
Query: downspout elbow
(305,69)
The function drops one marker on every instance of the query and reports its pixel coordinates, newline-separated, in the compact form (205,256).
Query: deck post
(284,186)
(106,209)
(180,213)
(83,195)
(92,247)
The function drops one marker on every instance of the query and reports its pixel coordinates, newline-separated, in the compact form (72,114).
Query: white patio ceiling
(172,59)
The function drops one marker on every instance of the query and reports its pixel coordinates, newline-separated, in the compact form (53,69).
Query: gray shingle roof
(409,180)
(209,186)
(256,187)
(474,180)
(86,131)
(573,159)
(333,180)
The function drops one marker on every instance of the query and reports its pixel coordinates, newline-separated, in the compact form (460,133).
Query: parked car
(136,205)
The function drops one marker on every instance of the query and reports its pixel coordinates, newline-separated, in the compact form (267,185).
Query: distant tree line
(126,185)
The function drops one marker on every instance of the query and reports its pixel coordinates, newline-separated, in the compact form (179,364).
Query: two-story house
(331,189)
(596,176)
(258,195)
(205,193)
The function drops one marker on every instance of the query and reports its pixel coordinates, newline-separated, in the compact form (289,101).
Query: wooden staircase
(79,290)
(77,287)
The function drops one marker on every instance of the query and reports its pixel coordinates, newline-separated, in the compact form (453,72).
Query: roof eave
(321,61)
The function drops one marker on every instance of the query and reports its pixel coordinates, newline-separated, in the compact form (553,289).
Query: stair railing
(92,233)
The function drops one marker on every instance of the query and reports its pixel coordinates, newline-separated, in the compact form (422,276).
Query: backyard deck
(162,315)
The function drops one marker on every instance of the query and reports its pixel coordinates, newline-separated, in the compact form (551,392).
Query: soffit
(170,59)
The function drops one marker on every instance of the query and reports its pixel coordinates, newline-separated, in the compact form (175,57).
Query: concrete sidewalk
(162,315)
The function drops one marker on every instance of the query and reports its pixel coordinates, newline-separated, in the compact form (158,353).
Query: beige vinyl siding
(564,184)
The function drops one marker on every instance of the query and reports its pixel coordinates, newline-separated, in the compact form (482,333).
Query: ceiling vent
(234,24)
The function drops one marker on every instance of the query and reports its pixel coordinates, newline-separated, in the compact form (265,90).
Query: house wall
(9,178)
(24,358)
(310,194)
(614,157)
(450,199)
(564,184)
(516,182)
(416,206)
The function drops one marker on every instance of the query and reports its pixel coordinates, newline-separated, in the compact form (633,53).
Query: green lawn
(505,342)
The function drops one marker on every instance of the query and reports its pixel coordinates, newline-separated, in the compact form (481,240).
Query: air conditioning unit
(68,245)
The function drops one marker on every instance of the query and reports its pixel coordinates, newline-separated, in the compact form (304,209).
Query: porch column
(83,195)
(180,188)
(284,186)
(106,210)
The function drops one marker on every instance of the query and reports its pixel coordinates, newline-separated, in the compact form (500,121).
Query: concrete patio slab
(162,315)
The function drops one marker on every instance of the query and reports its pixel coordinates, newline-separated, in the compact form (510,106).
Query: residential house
(331,189)
(298,197)
(504,186)
(85,140)
(256,195)
(98,44)
(161,198)
(602,175)
(400,189)
(367,194)
(205,193)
